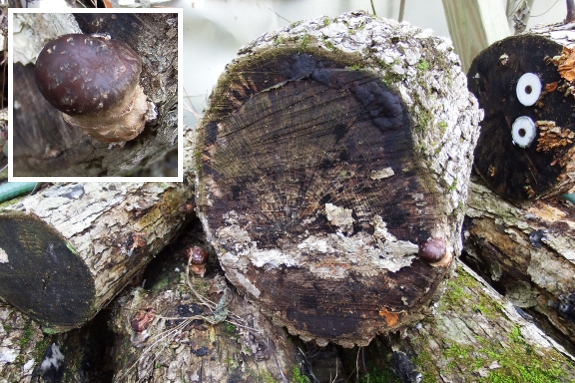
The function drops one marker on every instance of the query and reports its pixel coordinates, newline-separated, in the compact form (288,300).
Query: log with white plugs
(333,163)
(526,251)
(67,250)
(525,84)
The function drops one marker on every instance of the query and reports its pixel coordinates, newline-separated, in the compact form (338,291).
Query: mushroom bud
(199,259)
(433,250)
(93,81)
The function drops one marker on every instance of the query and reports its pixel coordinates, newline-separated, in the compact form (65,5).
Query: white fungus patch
(3,256)
(7,355)
(327,255)
(339,217)
(381,174)
(53,359)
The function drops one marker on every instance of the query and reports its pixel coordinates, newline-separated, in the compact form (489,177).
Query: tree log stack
(520,236)
(66,251)
(333,163)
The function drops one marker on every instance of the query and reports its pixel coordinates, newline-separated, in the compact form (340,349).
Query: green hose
(569,197)
(11,190)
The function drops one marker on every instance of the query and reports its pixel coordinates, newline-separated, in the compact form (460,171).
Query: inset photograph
(95,94)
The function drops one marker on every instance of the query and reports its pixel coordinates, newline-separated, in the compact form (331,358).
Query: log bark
(526,251)
(545,165)
(45,145)
(329,154)
(477,335)
(22,345)
(70,248)
(186,342)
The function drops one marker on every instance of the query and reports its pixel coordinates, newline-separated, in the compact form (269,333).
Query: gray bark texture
(45,145)
(332,151)
(70,248)
(22,345)
(200,330)
(526,251)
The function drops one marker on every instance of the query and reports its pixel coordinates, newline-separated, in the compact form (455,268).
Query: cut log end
(524,150)
(316,196)
(65,296)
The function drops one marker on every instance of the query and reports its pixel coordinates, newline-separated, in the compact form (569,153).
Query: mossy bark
(476,335)
(329,153)
(22,345)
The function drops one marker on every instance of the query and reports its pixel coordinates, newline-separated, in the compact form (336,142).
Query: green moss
(424,363)
(423,65)
(442,125)
(297,377)
(328,44)
(265,377)
(425,117)
(518,361)
(326,21)
(455,292)
(229,328)
(28,332)
(7,327)
(71,248)
(304,43)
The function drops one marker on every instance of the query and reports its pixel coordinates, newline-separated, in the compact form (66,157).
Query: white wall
(214,30)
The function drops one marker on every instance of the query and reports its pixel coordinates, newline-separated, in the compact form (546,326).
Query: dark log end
(513,165)
(301,162)
(41,275)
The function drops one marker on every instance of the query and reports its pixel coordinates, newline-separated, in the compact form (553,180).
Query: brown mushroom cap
(80,74)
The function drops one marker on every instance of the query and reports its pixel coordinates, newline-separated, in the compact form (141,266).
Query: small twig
(363,362)
(357,365)
(373,8)
(189,109)
(541,14)
(283,18)
(336,370)
(209,304)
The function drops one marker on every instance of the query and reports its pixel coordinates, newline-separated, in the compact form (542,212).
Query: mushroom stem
(123,123)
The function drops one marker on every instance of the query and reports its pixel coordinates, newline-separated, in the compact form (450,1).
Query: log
(538,161)
(525,250)
(45,145)
(477,335)
(69,249)
(184,341)
(331,154)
